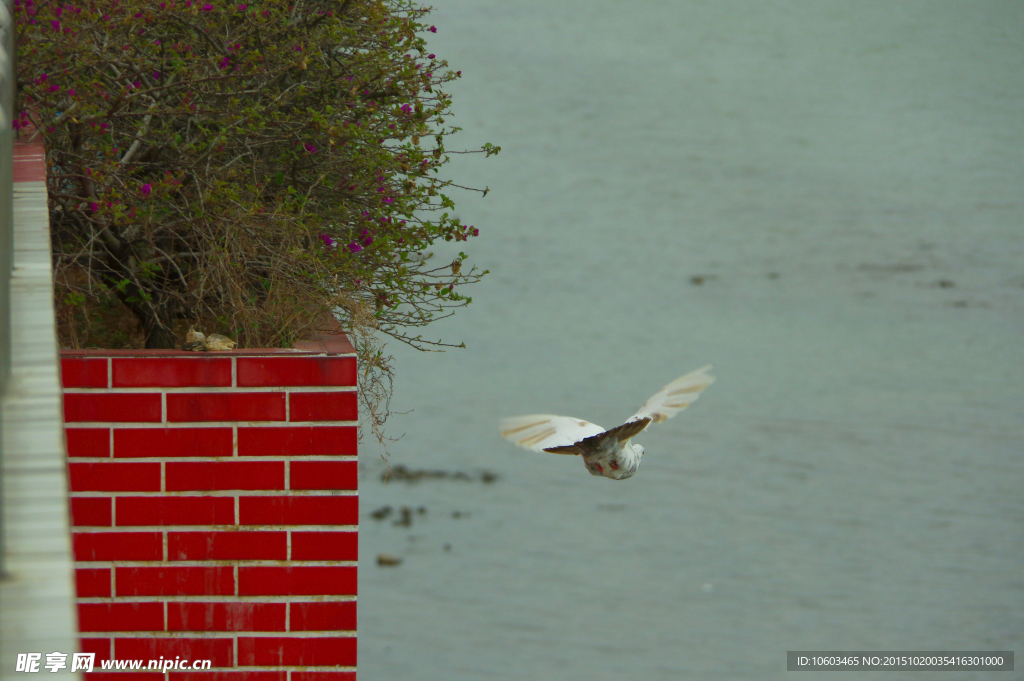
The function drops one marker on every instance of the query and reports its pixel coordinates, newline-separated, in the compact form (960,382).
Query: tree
(245,167)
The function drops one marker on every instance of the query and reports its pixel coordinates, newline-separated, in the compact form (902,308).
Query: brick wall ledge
(323,344)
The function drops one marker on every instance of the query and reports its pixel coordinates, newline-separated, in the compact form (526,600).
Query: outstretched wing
(619,433)
(540,432)
(676,396)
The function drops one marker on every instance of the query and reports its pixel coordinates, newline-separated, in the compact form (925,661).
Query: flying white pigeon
(605,452)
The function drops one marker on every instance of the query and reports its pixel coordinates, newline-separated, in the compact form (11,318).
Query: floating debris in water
(404,474)
(406,519)
(388,560)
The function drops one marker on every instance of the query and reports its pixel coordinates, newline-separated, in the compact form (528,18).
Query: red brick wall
(215,511)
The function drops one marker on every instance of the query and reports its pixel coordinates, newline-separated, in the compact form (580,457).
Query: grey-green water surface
(844,179)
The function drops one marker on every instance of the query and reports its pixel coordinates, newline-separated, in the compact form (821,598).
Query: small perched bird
(608,453)
(196,341)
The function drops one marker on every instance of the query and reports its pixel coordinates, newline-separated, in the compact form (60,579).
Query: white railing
(37,594)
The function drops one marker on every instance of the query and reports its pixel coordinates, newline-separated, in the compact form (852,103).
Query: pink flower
(476,232)
(241,8)
(207,7)
(430,56)
(94,207)
(146,189)
(354,247)
(310,148)
(432,29)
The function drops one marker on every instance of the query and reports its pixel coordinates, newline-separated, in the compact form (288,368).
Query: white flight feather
(676,396)
(538,432)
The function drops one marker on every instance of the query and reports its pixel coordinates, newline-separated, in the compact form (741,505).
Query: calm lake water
(844,181)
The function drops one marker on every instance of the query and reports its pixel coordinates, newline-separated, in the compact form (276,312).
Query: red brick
(137,511)
(227,545)
(88,441)
(280,371)
(298,510)
(28,162)
(118,546)
(308,652)
(114,477)
(83,373)
(296,581)
(120,616)
(91,512)
(229,676)
(225,616)
(175,581)
(324,616)
(323,676)
(299,440)
(325,546)
(99,646)
(90,583)
(188,475)
(225,407)
(168,442)
(171,372)
(220,650)
(324,475)
(323,406)
(112,407)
